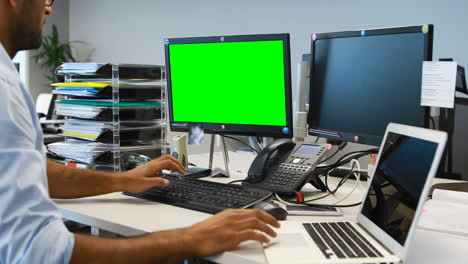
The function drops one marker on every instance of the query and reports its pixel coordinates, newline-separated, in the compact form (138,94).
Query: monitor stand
(218,171)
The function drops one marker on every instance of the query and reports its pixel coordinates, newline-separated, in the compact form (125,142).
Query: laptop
(407,161)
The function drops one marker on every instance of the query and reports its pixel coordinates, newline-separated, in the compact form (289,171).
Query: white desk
(128,216)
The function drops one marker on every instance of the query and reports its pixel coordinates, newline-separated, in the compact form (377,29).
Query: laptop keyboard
(341,239)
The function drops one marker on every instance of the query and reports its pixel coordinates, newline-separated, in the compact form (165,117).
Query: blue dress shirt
(31,226)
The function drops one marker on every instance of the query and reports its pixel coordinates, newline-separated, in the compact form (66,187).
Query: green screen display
(229,82)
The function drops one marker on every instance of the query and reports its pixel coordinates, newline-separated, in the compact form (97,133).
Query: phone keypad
(287,175)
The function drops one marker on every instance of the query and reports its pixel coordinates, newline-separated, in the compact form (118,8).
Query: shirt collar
(5,59)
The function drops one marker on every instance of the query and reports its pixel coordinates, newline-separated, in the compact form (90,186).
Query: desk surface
(129,216)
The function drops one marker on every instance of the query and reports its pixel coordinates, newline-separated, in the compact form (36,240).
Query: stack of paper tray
(112,113)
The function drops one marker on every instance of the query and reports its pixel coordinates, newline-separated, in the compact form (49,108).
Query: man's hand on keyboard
(142,178)
(226,230)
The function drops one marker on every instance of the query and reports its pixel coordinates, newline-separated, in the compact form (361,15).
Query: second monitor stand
(218,171)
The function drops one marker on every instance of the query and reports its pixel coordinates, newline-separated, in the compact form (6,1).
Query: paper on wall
(438,83)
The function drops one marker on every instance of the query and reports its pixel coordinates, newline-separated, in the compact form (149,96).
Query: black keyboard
(342,240)
(201,195)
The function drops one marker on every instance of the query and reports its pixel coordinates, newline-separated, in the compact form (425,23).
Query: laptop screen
(398,182)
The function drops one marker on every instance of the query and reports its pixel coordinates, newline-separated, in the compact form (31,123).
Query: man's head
(26,19)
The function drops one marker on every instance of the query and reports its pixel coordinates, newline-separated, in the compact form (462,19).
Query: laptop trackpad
(291,247)
(289,240)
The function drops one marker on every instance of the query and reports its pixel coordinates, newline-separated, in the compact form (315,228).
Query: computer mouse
(272,208)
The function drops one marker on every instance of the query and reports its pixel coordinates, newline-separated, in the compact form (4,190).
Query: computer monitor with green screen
(230,84)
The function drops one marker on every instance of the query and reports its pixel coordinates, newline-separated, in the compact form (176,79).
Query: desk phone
(284,166)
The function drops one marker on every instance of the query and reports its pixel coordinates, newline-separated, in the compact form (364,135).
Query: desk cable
(325,169)
(314,204)
(236,181)
(238,140)
(354,172)
(357,175)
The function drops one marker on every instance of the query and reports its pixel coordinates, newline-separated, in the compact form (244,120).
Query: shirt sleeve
(31,226)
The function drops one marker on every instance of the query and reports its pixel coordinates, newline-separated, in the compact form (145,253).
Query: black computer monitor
(362,80)
(230,84)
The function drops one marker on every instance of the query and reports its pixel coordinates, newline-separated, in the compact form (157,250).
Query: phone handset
(267,158)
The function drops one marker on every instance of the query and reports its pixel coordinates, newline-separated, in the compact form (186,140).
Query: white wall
(37,82)
(132,31)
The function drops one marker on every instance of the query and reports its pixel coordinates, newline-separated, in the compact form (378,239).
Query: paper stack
(447,212)
(93,109)
(79,68)
(132,131)
(127,92)
(94,152)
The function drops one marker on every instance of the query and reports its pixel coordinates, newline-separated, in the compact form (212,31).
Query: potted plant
(53,53)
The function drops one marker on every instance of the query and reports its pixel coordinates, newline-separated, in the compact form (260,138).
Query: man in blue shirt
(31,229)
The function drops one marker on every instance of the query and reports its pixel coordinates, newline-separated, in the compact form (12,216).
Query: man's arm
(67,182)
(219,233)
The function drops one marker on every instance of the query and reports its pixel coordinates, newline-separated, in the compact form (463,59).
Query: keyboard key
(343,239)
(359,253)
(333,244)
(363,238)
(342,244)
(317,239)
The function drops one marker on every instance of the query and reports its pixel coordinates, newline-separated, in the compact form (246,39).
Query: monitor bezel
(314,103)
(226,128)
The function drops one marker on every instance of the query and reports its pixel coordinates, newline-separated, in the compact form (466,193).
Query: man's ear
(14,3)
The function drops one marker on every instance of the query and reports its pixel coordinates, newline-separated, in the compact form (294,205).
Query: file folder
(104,90)
(99,153)
(99,70)
(91,111)
(131,133)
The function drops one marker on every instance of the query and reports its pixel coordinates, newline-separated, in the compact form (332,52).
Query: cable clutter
(297,198)
(288,154)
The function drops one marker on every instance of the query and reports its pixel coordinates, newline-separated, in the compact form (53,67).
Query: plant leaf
(53,53)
